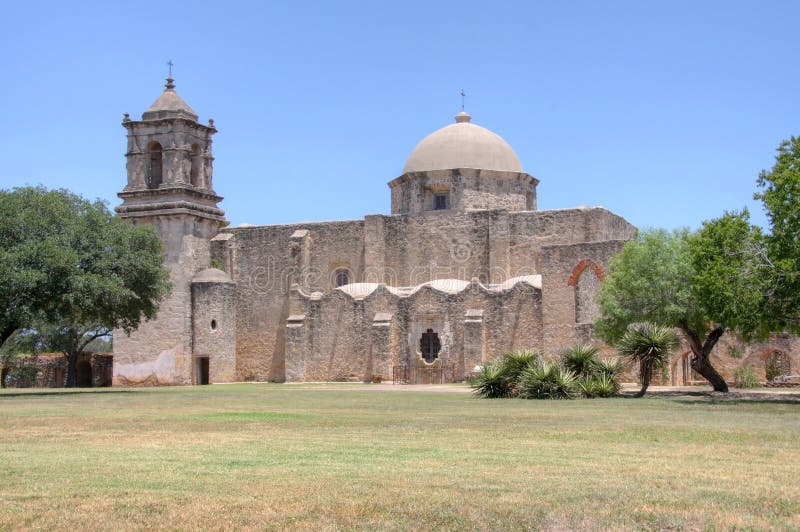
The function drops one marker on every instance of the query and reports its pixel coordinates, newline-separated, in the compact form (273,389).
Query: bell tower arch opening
(155,159)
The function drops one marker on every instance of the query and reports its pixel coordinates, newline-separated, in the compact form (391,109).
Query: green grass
(347,456)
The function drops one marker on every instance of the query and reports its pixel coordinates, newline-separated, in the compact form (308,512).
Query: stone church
(463,269)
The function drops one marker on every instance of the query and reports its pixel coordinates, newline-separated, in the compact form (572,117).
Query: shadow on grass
(60,391)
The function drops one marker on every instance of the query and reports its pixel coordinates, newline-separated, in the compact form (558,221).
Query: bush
(547,380)
(599,386)
(745,377)
(610,367)
(491,382)
(514,363)
(581,359)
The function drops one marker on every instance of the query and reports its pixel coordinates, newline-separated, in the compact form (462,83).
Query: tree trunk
(72,369)
(702,351)
(646,375)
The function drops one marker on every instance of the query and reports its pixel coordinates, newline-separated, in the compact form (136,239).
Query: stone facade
(464,268)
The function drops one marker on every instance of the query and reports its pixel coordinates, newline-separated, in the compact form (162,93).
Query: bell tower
(169,162)
(170,186)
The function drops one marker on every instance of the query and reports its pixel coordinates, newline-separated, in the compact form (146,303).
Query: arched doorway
(777,363)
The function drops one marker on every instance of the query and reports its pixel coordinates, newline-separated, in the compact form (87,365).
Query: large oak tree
(70,271)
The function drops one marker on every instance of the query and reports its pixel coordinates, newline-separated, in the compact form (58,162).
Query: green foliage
(610,368)
(648,345)
(599,386)
(548,380)
(64,259)
(72,271)
(649,280)
(21,376)
(745,377)
(772,372)
(499,377)
(728,277)
(524,374)
(218,264)
(581,359)
(781,197)
(491,382)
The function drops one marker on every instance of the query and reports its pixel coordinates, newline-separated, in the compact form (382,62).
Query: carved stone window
(429,346)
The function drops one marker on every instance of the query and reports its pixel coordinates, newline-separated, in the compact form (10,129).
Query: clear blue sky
(663,112)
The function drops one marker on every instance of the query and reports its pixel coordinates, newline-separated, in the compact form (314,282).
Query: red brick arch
(582,265)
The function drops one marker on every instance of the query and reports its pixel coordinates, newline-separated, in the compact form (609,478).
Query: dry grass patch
(332,457)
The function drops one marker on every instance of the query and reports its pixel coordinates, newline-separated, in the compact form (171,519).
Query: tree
(649,345)
(72,272)
(702,284)
(781,199)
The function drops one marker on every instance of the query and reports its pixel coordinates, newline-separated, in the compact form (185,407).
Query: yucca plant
(581,359)
(649,345)
(609,367)
(547,380)
(491,382)
(599,386)
(514,363)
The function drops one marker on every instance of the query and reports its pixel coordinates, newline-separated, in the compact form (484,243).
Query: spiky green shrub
(491,382)
(598,386)
(610,367)
(514,363)
(547,380)
(499,377)
(581,359)
(745,377)
(648,345)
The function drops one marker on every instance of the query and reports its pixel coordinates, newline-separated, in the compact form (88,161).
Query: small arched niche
(195,173)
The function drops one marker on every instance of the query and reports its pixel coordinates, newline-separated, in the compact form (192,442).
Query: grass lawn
(347,456)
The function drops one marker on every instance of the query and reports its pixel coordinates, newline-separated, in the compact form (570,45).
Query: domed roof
(169,105)
(463,145)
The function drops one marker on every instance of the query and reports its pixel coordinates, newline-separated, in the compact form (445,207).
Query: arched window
(586,277)
(154,165)
(342,277)
(197,165)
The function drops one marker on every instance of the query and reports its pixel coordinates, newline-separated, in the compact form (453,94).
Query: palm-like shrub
(514,363)
(599,386)
(491,382)
(547,380)
(649,345)
(581,359)
(499,377)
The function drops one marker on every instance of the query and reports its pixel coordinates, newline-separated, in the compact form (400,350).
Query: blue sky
(663,112)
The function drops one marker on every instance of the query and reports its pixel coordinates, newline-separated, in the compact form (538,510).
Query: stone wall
(159,352)
(214,326)
(348,335)
(464,189)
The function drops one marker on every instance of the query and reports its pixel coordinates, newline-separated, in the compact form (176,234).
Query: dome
(169,105)
(463,145)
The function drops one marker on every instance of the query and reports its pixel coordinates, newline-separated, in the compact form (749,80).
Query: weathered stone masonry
(463,269)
